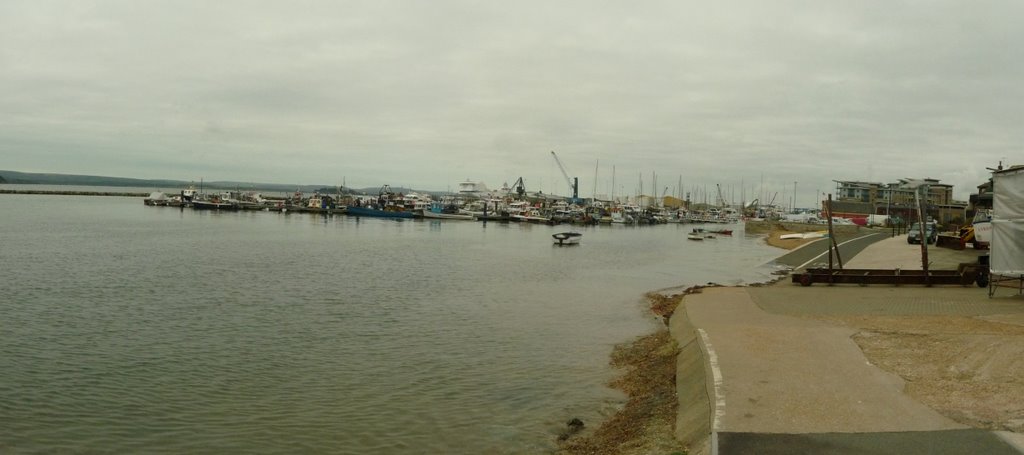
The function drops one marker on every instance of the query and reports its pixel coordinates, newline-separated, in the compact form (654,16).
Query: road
(815,254)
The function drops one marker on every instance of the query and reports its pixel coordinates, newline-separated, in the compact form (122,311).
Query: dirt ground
(773,239)
(970,369)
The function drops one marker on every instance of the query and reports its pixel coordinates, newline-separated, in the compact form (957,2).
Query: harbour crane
(574,183)
(519,187)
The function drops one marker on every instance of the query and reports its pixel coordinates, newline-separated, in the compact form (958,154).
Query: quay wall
(693,385)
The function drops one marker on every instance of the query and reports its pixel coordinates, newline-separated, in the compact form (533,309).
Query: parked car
(931,233)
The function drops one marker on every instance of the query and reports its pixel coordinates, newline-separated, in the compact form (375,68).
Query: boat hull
(447,216)
(207,205)
(365,211)
(567,238)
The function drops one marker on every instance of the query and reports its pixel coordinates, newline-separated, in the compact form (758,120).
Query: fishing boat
(215,203)
(370,211)
(385,206)
(567,238)
(440,212)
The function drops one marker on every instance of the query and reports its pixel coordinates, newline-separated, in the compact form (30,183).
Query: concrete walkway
(781,383)
(783,374)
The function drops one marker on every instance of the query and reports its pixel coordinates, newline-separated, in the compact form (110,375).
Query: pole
(921,229)
(833,245)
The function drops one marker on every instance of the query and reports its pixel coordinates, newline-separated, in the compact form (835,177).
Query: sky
(754,97)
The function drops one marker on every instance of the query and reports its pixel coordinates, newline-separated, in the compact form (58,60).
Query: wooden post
(922,230)
(832,238)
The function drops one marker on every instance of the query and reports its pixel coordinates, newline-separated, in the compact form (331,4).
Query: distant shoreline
(76,193)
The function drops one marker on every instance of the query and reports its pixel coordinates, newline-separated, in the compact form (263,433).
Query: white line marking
(716,374)
(837,246)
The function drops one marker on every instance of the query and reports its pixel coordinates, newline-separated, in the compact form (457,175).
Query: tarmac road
(815,254)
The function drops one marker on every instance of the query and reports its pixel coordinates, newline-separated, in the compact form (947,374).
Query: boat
(804,235)
(156,198)
(473,189)
(380,213)
(440,212)
(721,231)
(699,234)
(385,206)
(567,238)
(531,216)
(214,204)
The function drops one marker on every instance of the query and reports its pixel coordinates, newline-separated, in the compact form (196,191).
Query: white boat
(804,235)
(473,189)
(567,238)
(439,211)
(531,216)
(430,214)
(699,234)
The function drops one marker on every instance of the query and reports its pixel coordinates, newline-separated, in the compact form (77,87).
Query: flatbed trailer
(963,276)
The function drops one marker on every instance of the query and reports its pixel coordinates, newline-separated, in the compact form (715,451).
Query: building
(856,199)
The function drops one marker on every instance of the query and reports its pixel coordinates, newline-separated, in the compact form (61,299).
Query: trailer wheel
(805,280)
(982,280)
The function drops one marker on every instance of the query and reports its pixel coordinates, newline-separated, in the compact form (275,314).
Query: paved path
(784,374)
(805,387)
(815,254)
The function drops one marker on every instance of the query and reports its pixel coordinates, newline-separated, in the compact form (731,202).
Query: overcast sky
(427,94)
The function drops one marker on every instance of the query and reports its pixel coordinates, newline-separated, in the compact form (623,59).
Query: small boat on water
(699,234)
(567,238)
(721,231)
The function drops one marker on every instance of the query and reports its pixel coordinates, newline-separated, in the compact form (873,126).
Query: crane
(574,183)
(519,187)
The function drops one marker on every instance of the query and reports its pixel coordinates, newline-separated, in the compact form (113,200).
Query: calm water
(128,328)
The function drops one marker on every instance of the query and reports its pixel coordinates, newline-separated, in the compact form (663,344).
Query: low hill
(26,178)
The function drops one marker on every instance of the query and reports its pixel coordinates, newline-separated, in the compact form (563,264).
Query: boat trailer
(964,275)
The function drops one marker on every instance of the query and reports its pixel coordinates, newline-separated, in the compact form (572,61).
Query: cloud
(430,94)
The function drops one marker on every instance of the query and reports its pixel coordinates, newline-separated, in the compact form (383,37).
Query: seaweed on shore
(646,424)
(665,305)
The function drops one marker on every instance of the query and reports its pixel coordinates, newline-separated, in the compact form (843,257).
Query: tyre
(805,280)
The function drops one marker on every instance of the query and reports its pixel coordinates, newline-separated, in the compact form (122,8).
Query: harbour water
(131,329)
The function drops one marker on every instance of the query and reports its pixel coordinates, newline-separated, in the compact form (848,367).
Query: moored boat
(214,204)
(385,206)
(440,212)
(567,238)
(369,211)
